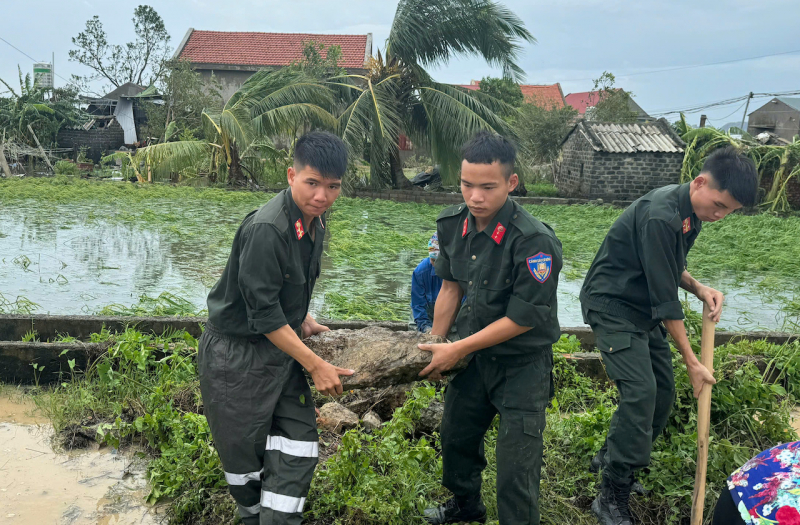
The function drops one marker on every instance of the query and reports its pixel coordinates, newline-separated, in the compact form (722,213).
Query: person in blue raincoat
(425,286)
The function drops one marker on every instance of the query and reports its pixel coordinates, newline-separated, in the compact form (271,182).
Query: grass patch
(541,189)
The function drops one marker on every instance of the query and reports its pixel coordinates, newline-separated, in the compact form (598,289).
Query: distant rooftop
(631,138)
(267,49)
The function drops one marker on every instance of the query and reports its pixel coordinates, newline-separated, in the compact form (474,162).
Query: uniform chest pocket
(495,290)
(459,268)
(496,279)
(294,278)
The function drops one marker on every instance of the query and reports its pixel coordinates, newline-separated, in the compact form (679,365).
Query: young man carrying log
(251,357)
(630,299)
(505,264)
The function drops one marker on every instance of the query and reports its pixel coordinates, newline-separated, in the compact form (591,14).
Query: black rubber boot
(597,464)
(611,506)
(457,510)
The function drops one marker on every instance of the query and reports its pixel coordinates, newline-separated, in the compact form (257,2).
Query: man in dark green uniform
(630,299)
(505,265)
(255,395)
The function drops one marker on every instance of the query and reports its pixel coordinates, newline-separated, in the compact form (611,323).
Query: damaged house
(117,119)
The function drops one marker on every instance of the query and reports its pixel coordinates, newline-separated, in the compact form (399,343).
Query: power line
(694,108)
(679,68)
(18,49)
(729,114)
(34,60)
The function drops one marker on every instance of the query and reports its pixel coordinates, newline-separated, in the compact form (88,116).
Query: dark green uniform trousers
(519,388)
(640,363)
(261,414)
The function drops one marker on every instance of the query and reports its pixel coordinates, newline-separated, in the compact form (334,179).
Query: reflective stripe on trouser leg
(241,383)
(291,453)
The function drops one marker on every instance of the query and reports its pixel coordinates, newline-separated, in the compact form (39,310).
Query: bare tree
(142,60)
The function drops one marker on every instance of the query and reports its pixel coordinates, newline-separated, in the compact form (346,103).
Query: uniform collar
(497,228)
(296,218)
(685,207)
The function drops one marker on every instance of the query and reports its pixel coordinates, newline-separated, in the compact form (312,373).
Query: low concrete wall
(16,357)
(430,197)
(447,198)
(49,327)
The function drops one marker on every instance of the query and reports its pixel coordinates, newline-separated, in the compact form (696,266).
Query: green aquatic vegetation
(373,246)
(166,304)
(338,306)
(19,305)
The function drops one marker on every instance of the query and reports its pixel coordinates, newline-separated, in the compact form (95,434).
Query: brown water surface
(42,486)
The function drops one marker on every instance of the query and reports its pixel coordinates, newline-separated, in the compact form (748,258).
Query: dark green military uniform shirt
(510,269)
(271,271)
(637,271)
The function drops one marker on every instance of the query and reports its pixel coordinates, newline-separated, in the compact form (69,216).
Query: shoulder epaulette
(451,211)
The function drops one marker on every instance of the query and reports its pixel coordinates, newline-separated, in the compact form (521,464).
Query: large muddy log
(379,356)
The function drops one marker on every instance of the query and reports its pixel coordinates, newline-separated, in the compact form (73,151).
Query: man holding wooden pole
(630,299)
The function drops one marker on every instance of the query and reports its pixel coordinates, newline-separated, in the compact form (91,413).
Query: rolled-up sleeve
(442,266)
(533,294)
(661,269)
(263,261)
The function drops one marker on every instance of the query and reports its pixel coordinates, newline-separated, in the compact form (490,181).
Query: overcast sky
(577,41)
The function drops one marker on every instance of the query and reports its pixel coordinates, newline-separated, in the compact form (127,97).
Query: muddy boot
(611,506)
(597,464)
(457,510)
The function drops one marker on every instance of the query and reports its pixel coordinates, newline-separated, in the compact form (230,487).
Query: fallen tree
(379,356)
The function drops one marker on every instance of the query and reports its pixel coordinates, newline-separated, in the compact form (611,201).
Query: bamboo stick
(3,162)
(41,149)
(703,419)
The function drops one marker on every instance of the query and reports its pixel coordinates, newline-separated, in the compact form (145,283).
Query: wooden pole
(41,149)
(3,162)
(703,420)
(746,107)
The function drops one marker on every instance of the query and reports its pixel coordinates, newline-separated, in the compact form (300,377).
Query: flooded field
(40,485)
(78,249)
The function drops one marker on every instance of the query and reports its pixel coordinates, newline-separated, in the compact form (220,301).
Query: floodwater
(39,485)
(70,260)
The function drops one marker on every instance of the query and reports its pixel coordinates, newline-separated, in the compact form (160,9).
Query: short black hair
(487,147)
(323,151)
(734,173)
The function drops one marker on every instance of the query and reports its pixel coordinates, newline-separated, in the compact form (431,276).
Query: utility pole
(746,106)
(703,121)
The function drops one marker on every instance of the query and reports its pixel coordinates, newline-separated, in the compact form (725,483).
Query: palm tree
(238,135)
(397,95)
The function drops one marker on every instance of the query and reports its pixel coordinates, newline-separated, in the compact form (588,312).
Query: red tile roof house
(547,96)
(234,56)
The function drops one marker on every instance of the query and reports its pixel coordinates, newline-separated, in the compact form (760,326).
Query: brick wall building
(99,141)
(619,161)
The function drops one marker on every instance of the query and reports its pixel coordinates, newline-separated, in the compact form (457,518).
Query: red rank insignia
(687,224)
(464,231)
(298,229)
(499,231)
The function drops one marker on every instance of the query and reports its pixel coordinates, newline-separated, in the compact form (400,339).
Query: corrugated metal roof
(631,138)
(791,102)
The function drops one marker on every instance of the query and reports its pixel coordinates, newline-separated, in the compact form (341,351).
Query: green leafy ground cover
(144,389)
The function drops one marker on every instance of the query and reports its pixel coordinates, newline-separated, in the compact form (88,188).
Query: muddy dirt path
(38,485)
